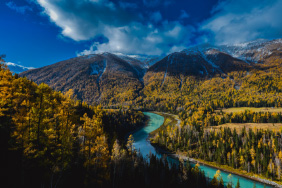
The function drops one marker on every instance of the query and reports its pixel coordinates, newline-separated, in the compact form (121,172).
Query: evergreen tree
(238,184)
(129,144)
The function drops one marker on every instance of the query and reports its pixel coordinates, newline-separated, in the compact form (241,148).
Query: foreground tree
(93,142)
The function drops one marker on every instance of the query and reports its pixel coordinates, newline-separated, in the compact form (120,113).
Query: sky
(36,33)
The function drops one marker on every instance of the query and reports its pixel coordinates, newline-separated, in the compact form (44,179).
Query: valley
(209,168)
(226,106)
(175,78)
(141,94)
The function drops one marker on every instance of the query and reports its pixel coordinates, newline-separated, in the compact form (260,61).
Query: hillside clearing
(240,126)
(242,109)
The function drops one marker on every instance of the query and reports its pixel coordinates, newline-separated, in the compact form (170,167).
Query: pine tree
(214,182)
(93,142)
(129,144)
(238,184)
(6,93)
(221,184)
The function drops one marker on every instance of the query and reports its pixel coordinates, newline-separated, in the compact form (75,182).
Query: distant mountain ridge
(118,78)
(16,68)
(254,51)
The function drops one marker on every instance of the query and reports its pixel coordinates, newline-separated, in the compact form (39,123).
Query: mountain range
(115,79)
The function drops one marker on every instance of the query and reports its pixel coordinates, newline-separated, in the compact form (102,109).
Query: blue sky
(36,33)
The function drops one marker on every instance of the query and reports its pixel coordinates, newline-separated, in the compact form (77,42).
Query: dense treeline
(49,139)
(213,119)
(118,124)
(136,171)
(34,118)
(258,151)
(260,86)
(198,102)
(198,106)
(189,95)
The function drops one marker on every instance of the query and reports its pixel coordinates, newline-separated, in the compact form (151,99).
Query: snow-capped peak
(253,51)
(203,48)
(250,44)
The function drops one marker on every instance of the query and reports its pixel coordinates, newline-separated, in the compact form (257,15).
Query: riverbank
(145,124)
(228,169)
(169,120)
(224,168)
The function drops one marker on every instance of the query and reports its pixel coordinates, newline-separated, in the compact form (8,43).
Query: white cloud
(83,20)
(129,32)
(174,32)
(17,65)
(240,20)
(132,40)
(17,68)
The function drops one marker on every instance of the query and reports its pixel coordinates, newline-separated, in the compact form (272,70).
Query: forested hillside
(198,84)
(250,151)
(50,139)
(93,78)
(225,76)
(256,150)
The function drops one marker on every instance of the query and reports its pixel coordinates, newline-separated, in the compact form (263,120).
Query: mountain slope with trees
(93,78)
(114,80)
(50,139)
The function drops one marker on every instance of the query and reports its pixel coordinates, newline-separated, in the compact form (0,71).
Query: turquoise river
(143,145)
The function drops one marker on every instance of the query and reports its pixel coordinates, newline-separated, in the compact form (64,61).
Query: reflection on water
(143,145)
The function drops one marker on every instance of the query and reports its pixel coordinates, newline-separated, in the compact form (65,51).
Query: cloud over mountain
(236,21)
(143,27)
(127,28)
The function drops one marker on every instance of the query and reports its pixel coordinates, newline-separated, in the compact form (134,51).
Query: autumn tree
(93,142)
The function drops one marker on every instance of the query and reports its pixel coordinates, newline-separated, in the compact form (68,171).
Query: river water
(143,145)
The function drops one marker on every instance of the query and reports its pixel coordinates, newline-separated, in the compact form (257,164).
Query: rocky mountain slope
(255,51)
(93,78)
(115,79)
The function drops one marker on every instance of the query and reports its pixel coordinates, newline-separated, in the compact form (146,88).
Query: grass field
(242,109)
(240,126)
